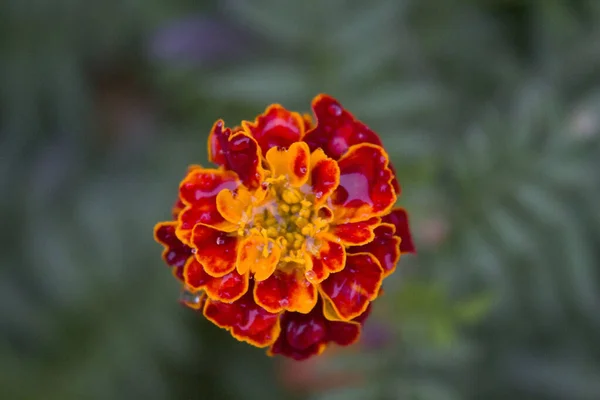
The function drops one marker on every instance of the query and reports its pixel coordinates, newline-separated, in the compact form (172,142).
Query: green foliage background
(490,110)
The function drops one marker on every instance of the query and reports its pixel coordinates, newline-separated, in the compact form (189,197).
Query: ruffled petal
(306,335)
(246,321)
(365,188)
(177,208)
(330,258)
(337,130)
(233,205)
(292,163)
(237,152)
(175,252)
(227,288)
(356,233)
(302,335)
(215,249)
(286,289)
(385,247)
(198,191)
(259,256)
(351,289)
(308,122)
(399,218)
(343,333)
(324,176)
(277,127)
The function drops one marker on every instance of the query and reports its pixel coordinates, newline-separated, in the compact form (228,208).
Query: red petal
(302,335)
(215,249)
(384,247)
(351,289)
(199,190)
(365,188)
(237,152)
(177,208)
(277,127)
(245,320)
(337,130)
(343,333)
(175,252)
(227,288)
(324,176)
(286,290)
(306,335)
(331,258)
(399,218)
(356,233)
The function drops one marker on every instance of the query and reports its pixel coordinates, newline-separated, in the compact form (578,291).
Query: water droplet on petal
(311,276)
(188,297)
(220,241)
(194,251)
(335,110)
(284,302)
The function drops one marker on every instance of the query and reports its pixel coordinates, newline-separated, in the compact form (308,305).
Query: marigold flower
(286,243)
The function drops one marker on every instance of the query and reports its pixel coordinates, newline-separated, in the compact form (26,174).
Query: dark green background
(490,110)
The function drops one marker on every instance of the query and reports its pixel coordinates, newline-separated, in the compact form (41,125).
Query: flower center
(289,217)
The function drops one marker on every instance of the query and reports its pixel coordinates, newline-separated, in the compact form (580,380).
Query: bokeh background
(490,110)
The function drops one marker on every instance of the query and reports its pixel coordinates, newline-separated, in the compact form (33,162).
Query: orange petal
(227,288)
(399,218)
(277,127)
(286,290)
(365,188)
(351,289)
(324,176)
(175,252)
(233,204)
(356,233)
(331,258)
(199,190)
(237,152)
(292,163)
(259,256)
(245,320)
(385,247)
(215,249)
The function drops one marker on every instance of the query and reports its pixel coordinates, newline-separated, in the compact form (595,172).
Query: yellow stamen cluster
(289,218)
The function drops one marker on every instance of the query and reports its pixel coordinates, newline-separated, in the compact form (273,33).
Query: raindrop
(335,110)
(311,276)
(194,251)
(220,241)
(189,297)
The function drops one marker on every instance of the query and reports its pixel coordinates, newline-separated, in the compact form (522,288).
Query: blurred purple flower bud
(196,40)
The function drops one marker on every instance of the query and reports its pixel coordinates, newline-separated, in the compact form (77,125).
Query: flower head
(287,241)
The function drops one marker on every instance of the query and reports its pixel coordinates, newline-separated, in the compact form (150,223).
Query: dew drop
(189,297)
(284,302)
(220,241)
(311,276)
(335,110)
(194,251)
